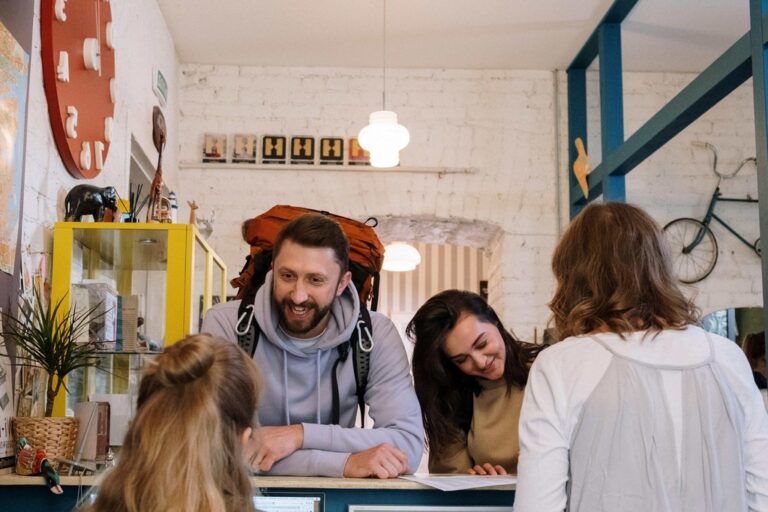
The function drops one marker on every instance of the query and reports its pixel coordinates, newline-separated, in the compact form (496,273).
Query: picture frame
(244,149)
(160,86)
(331,150)
(302,149)
(215,148)
(273,149)
(356,154)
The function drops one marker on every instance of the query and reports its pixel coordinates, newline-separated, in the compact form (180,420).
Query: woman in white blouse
(637,409)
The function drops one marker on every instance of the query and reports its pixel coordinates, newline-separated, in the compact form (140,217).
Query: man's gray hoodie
(297,386)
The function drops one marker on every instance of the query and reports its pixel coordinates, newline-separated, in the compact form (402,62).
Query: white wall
(142,40)
(500,123)
(677,180)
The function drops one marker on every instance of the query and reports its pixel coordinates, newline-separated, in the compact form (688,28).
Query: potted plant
(46,336)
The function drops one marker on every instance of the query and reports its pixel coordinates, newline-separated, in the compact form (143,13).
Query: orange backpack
(366,256)
(366,253)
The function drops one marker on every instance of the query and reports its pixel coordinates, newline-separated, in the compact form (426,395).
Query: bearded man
(308,306)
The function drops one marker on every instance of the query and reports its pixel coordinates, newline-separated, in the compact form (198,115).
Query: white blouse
(564,376)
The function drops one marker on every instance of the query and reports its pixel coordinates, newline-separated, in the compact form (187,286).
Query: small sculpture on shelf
(192,212)
(34,461)
(90,200)
(155,189)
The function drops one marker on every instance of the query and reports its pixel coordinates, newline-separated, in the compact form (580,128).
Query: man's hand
(276,443)
(487,469)
(382,461)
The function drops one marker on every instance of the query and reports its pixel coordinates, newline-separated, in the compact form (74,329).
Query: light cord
(384,56)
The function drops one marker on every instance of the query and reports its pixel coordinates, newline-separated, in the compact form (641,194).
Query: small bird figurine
(192,213)
(581,167)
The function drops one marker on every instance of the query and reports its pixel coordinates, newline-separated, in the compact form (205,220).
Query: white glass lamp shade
(401,257)
(383,138)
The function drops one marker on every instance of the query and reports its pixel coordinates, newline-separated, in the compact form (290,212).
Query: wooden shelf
(328,168)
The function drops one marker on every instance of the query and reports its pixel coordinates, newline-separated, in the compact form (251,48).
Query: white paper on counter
(457,482)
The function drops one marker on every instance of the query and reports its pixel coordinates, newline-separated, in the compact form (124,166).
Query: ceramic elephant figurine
(89,200)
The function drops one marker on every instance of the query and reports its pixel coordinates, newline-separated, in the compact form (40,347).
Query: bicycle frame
(717,196)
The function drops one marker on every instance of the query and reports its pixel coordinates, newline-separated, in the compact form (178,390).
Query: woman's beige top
(492,438)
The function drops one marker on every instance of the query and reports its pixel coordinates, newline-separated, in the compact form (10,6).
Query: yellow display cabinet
(170,268)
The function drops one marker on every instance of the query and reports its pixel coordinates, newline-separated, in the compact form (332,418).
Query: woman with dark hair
(469,373)
(637,409)
(754,348)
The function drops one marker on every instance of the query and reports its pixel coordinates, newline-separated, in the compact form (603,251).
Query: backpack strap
(247,328)
(362,345)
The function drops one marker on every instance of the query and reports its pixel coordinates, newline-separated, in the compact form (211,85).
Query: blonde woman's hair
(613,273)
(183,451)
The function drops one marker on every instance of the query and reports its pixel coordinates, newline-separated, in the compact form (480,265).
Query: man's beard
(316,315)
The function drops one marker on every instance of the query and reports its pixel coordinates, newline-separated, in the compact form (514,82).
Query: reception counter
(24,493)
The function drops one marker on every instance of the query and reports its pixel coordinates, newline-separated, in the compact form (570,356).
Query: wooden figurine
(581,167)
(192,212)
(155,189)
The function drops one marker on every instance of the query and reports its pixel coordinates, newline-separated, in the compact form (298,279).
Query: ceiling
(658,35)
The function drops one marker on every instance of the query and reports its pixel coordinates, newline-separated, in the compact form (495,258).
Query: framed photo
(357,155)
(273,149)
(302,150)
(215,148)
(244,149)
(159,86)
(331,150)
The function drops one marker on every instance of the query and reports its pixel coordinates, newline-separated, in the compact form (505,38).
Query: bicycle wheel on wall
(691,263)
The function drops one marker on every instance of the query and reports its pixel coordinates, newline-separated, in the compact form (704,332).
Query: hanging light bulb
(383,138)
(400,257)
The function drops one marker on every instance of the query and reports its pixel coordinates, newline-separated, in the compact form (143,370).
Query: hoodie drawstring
(285,388)
(317,385)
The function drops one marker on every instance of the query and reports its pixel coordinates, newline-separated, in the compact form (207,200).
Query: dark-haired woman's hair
(754,347)
(183,450)
(613,273)
(444,391)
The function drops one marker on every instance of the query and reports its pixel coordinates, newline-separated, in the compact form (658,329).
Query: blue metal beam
(759,59)
(611,104)
(713,84)
(616,14)
(577,127)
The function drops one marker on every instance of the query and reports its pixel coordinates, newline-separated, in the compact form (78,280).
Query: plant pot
(57,436)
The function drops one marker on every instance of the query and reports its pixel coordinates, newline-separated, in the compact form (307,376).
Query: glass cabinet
(153,281)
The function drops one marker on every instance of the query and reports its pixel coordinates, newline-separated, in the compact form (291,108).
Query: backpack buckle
(365,343)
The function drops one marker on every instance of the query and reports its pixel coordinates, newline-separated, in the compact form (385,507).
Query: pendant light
(401,257)
(383,138)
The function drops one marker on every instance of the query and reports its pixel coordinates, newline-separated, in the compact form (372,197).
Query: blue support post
(577,127)
(611,104)
(716,82)
(758,9)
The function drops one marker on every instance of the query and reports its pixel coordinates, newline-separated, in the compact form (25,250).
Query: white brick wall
(500,123)
(142,41)
(677,180)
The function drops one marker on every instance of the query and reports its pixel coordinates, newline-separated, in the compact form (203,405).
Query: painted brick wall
(142,41)
(677,181)
(499,123)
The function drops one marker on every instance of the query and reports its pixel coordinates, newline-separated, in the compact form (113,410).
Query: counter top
(270,482)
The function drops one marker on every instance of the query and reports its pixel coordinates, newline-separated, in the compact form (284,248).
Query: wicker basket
(57,436)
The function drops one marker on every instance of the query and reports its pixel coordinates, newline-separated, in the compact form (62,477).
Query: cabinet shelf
(169,268)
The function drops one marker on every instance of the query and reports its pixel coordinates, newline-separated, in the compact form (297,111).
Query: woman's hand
(487,469)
